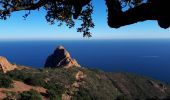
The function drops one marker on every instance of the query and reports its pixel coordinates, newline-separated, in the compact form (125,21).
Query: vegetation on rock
(95,84)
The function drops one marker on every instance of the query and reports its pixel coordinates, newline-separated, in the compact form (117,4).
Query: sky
(36,27)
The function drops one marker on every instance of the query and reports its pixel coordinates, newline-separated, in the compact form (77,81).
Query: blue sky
(36,27)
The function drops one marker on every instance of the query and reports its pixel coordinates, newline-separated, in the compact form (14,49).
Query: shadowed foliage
(120,12)
(29,95)
(5,81)
(61,11)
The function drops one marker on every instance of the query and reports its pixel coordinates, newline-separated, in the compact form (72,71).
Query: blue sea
(144,57)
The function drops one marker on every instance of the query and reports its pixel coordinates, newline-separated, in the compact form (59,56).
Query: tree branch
(143,12)
(37,5)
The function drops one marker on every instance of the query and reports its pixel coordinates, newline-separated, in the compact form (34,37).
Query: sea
(146,57)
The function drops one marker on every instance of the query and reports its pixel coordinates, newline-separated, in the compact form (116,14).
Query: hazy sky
(36,27)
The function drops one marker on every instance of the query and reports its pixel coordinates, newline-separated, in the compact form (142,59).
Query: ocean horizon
(148,57)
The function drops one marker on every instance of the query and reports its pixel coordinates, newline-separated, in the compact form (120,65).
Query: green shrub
(122,97)
(54,91)
(35,81)
(83,94)
(52,95)
(5,81)
(30,95)
(30,77)
(10,95)
(18,75)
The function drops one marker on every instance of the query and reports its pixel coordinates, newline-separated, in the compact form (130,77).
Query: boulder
(60,58)
(5,65)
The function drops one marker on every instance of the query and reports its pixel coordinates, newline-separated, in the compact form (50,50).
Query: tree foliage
(120,12)
(61,11)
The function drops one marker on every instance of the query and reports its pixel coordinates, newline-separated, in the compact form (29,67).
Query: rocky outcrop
(61,58)
(80,76)
(6,66)
(76,86)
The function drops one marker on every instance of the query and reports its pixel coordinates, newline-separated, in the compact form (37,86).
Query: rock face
(61,58)
(6,66)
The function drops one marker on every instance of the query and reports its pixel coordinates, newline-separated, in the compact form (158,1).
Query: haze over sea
(144,57)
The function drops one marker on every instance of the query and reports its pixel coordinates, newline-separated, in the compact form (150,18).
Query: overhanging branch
(143,12)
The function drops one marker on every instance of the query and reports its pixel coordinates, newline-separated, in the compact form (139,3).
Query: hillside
(81,84)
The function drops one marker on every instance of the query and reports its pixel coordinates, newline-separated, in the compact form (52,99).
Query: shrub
(30,95)
(17,75)
(54,91)
(10,95)
(83,94)
(5,81)
(35,81)
(52,95)
(122,97)
(30,77)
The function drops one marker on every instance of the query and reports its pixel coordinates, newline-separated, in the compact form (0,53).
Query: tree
(120,12)
(139,10)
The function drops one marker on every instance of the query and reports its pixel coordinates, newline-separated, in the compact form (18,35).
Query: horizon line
(83,39)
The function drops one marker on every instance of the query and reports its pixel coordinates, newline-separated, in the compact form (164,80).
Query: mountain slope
(89,84)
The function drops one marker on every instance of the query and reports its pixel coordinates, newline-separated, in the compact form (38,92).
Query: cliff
(60,58)
(6,66)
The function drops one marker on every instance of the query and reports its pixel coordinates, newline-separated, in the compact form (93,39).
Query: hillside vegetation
(81,84)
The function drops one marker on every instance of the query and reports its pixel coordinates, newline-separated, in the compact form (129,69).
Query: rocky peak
(5,65)
(61,58)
